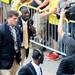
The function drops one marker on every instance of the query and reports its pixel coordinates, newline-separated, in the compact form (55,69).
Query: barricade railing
(43,31)
(46,36)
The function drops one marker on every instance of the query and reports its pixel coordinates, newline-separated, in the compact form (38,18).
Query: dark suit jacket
(67,66)
(27,70)
(7,50)
(30,27)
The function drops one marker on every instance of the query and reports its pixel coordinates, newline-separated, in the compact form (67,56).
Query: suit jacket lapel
(33,69)
(8,31)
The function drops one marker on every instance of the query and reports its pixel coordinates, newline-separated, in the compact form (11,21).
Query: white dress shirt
(13,33)
(37,68)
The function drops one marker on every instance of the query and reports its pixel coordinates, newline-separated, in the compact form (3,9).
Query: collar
(35,66)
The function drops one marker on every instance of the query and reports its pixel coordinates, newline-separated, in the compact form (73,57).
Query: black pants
(27,52)
(54,31)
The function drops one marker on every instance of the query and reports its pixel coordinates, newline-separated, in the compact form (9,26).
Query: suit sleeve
(0,39)
(30,22)
(32,29)
(23,71)
(69,41)
(64,68)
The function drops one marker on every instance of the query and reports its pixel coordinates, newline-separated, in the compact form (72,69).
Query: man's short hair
(24,9)
(12,13)
(38,55)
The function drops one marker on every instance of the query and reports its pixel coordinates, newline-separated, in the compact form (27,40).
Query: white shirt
(13,33)
(37,68)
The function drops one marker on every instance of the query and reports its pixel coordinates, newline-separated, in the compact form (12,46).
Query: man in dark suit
(25,17)
(67,65)
(33,68)
(9,43)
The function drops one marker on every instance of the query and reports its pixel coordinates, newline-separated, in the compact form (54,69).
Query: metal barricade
(48,37)
(44,33)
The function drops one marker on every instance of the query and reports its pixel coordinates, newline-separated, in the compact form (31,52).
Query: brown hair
(12,13)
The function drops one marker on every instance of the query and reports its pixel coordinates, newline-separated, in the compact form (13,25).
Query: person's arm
(51,11)
(30,2)
(46,2)
(60,25)
(48,12)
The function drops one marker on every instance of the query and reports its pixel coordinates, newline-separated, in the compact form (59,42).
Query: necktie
(25,34)
(41,71)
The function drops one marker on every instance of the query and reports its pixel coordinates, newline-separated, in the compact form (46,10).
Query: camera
(70,13)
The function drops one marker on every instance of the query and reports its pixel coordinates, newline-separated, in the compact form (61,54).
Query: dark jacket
(27,70)
(31,29)
(67,66)
(7,51)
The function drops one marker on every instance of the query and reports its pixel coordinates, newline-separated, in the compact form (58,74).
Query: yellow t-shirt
(5,1)
(17,3)
(52,18)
